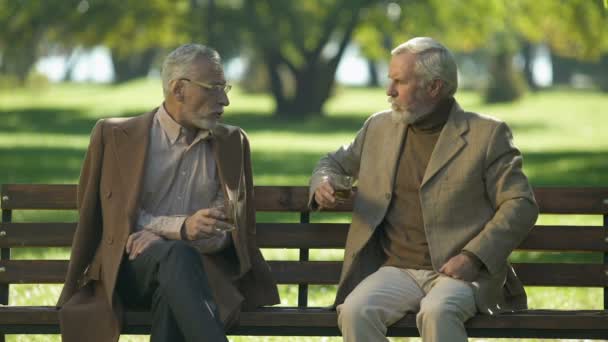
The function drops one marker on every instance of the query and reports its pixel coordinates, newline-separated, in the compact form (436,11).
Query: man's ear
(435,87)
(176,88)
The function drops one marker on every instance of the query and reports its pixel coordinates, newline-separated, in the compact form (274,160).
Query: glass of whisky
(342,184)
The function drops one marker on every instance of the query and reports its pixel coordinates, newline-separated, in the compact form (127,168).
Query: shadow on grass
(68,120)
(567,168)
(40,165)
(284,163)
(46,120)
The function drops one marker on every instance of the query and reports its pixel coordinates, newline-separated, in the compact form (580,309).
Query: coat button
(387,195)
(110,240)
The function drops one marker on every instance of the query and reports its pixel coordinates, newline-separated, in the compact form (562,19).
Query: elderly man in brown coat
(166,219)
(441,203)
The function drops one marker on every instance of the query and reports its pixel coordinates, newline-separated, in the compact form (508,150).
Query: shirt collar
(174,130)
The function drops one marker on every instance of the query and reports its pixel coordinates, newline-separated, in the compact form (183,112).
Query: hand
(461,267)
(325,195)
(206,223)
(139,241)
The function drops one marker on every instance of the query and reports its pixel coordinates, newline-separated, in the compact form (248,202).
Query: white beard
(409,116)
(205,123)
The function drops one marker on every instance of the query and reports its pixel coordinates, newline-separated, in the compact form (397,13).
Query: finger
(205,231)
(206,221)
(223,225)
(141,243)
(217,213)
(130,240)
(326,199)
(326,186)
(140,246)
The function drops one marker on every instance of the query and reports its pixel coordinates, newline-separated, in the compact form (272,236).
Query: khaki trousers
(443,305)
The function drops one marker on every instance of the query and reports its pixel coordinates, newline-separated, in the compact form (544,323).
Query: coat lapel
(392,149)
(450,142)
(131,140)
(228,153)
(229,158)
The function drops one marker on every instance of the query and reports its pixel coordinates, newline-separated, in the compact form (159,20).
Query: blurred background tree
(293,49)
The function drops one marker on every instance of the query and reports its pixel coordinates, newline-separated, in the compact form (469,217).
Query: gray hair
(434,61)
(179,62)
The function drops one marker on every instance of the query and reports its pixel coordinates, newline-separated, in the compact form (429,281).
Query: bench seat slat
(313,235)
(319,272)
(321,321)
(552,200)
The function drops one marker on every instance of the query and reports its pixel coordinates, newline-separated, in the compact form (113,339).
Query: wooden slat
(572,200)
(558,200)
(311,235)
(33,271)
(320,272)
(38,196)
(47,234)
(298,235)
(288,198)
(312,272)
(562,274)
(565,238)
(322,322)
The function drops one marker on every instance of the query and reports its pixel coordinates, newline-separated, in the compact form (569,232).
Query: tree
(136,32)
(28,28)
(574,28)
(301,42)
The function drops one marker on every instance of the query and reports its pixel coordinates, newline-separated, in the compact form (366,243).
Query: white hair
(433,61)
(179,62)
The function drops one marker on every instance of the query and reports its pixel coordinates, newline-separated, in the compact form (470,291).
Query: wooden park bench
(304,320)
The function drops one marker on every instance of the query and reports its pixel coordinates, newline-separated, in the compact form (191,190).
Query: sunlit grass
(44,135)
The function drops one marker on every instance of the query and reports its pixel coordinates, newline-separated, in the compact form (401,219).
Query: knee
(356,314)
(436,311)
(181,251)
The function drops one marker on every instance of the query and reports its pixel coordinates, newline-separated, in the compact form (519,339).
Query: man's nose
(223,99)
(390,90)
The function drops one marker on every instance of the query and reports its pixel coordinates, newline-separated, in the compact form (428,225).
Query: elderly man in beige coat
(441,203)
(166,217)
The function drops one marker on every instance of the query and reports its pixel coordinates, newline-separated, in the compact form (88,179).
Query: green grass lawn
(44,134)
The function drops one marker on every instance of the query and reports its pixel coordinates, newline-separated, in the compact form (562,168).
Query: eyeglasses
(215,87)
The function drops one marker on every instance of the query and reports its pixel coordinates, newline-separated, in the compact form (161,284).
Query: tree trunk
(312,88)
(506,84)
(528,54)
(18,62)
(373,74)
(563,69)
(133,66)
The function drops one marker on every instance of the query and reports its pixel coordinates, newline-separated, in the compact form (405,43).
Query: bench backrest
(303,235)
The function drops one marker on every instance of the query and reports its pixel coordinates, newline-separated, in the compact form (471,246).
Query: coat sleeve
(512,197)
(89,228)
(346,161)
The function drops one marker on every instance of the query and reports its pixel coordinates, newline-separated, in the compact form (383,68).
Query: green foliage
(573,28)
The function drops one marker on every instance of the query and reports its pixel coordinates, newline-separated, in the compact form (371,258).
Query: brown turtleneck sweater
(403,239)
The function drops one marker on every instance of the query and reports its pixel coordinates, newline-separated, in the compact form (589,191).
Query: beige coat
(108,200)
(473,196)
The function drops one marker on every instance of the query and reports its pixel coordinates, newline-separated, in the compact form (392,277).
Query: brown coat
(473,196)
(108,200)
